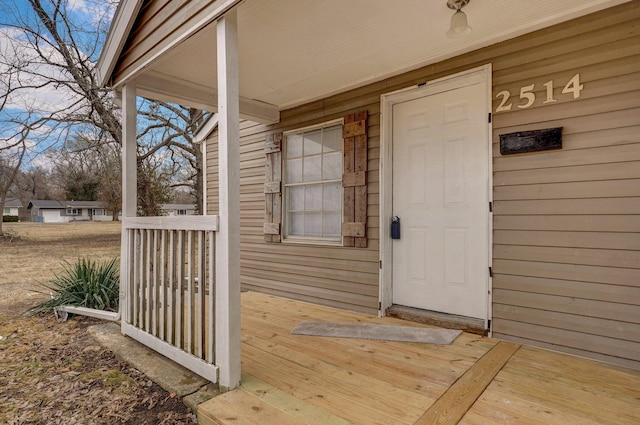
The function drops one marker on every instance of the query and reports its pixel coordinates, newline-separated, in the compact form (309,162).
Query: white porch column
(228,237)
(129,187)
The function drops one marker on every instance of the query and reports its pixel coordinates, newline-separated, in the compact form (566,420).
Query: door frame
(387,100)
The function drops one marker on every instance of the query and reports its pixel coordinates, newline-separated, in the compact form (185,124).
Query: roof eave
(205,130)
(123,21)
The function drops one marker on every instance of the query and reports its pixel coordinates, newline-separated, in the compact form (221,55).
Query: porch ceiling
(293,51)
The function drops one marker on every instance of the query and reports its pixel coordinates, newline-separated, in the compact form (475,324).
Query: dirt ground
(52,372)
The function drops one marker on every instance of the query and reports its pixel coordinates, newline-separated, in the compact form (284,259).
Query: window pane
(313,142)
(313,205)
(313,197)
(331,224)
(296,198)
(332,139)
(294,146)
(296,224)
(313,224)
(332,196)
(294,170)
(332,166)
(312,169)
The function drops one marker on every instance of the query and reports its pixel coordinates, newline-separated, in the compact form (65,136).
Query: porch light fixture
(459,26)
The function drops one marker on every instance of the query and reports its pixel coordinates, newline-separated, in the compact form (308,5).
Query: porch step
(442,320)
(169,375)
(256,402)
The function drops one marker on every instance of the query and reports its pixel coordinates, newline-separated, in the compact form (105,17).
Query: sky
(87,15)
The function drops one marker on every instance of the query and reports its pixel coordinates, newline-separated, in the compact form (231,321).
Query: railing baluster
(163,277)
(180,283)
(200,297)
(130,291)
(147,287)
(171,292)
(212,305)
(154,289)
(189,302)
(141,279)
(136,278)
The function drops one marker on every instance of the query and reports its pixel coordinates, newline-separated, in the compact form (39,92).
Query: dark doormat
(379,332)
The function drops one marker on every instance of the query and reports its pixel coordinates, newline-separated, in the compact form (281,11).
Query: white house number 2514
(528,97)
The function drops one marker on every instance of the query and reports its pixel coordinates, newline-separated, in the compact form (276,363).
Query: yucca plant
(85,283)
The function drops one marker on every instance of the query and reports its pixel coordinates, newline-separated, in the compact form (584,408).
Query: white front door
(441,154)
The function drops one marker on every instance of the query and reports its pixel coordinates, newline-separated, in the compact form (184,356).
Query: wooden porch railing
(168,288)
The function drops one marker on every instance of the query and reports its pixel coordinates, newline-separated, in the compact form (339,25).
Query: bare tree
(52,54)
(110,190)
(170,128)
(11,156)
(89,171)
(49,51)
(33,183)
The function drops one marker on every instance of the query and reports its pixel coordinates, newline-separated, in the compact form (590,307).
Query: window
(73,211)
(7,210)
(312,177)
(181,212)
(315,186)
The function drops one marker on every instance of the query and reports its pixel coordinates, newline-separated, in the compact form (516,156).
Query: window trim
(310,240)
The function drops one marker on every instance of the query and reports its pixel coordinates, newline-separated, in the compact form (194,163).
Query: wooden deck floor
(293,379)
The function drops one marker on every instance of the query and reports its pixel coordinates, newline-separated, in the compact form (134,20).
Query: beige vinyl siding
(334,276)
(566,224)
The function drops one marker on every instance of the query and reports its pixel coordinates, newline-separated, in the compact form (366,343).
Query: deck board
(454,403)
(374,359)
(308,380)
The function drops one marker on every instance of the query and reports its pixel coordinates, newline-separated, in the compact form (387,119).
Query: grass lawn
(39,250)
(52,372)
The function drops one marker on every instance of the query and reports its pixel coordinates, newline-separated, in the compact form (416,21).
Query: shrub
(10,219)
(84,283)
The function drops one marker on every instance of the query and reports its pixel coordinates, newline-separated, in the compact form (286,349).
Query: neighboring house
(51,211)
(178,209)
(88,210)
(359,112)
(12,207)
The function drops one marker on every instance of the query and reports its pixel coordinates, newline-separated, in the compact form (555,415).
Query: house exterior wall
(329,275)
(10,211)
(100,214)
(566,252)
(566,229)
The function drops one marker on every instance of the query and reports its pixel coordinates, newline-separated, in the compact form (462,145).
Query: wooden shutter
(273,187)
(354,180)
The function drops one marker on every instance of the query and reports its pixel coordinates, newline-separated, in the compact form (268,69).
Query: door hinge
(380,264)
(490,272)
(489,325)
(489,117)
(379,306)
(490,206)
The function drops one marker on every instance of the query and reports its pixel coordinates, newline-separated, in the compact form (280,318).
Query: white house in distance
(52,211)
(12,207)
(178,209)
